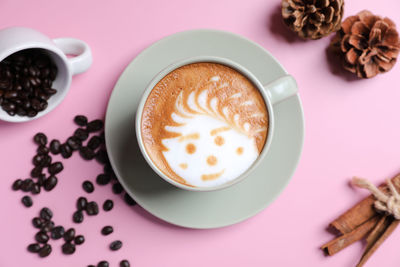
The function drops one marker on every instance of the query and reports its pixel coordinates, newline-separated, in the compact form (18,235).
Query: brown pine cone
(312,19)
(367,44)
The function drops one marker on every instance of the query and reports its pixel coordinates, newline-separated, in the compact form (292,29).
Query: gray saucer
(201,209)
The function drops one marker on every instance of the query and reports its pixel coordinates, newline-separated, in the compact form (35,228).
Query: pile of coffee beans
(88,140)
(26,79)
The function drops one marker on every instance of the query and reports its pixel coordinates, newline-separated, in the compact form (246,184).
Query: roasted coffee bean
(68,248)
(91,265)
(57,232)
(128,200)
(117,244)
(81,120)
(35,189)
(92,208)
(46,161)
(108,205)
(124,263)
(81,203)
(37,222)
(41,179)
(36,172)
(37,160)
(94,142)
(40,138)
(117,188)
(17,184)
(79,239)
(46,214)
(103,179)
(42,150)
(69,235)
(41,237)
(55,146)
(31,113)
(27,201)
(94,126)
(34,248)
(45,251)
(66,151)
(108,169)
(103,264)
(88,186)
(56,167)
(74,143)
(102,157)
(87,153)
(106,230)
(21,112)
(27,185)
(81,134)
(50,183)
(77,217)
(47,226)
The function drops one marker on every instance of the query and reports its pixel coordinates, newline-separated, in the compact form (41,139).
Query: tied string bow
(386,203)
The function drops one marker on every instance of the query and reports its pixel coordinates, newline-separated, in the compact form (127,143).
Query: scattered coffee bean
(47,226)
(69,235)
(128,200)
(86,153)
(108,205)
(37,160)
(94,142)
(106,230)
(57,232)
(50,183)
(37,222)
(92,208)
(117,188)
(102,157)
(27,185)
(45,251)
(74,143)
(42,150)
(80,239)
(68,248)
(108,169)
(103,264)
(66,151)
(41,179)
(37,171)
(77,217)
(81,134)
(55,147)
(124,263)
(88,186)
(81,120)
(40,139)
(46,161)
(46,214)
(34,248)
(81,203)
(103,179)
(27,201)
(17,184)
(41,237)
(91,266)
(94,126)
(35,189)
(116,245)
(56,167)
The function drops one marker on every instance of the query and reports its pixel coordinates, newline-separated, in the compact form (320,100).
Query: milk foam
(230,157)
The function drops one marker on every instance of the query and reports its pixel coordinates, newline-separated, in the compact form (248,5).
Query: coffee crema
(204,124)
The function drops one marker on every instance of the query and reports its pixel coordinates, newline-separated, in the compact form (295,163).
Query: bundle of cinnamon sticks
(363,221)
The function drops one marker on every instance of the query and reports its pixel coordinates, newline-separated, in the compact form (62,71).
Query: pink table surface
(352,128)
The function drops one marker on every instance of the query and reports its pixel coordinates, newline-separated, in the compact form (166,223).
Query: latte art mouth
(204,124)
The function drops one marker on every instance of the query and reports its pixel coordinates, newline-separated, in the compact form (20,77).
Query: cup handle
(83,55)
(281,89)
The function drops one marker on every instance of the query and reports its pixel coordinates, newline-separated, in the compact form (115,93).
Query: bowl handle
(82,59)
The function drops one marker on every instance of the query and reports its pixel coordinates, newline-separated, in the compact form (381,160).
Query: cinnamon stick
(382,230)
(347,239)
(361,212)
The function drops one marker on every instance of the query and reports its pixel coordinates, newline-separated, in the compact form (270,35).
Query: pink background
(352,128)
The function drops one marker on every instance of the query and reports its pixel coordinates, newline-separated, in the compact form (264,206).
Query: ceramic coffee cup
(15,39)
(272,93)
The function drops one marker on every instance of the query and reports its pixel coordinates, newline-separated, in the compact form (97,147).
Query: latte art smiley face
(204,124)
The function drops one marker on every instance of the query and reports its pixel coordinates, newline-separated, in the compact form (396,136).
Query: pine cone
(367,44)
(312,19)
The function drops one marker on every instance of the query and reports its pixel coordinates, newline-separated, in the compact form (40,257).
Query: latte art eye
(219,140)
(190,148)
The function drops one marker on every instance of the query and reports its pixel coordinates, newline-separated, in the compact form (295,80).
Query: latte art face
(204,124)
